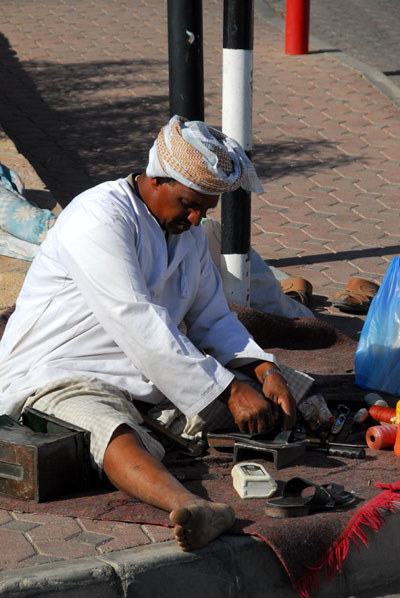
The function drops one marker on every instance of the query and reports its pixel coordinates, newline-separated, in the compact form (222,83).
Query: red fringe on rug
(370,516)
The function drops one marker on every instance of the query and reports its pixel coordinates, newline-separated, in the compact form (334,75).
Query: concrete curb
(276,18)
(230,567)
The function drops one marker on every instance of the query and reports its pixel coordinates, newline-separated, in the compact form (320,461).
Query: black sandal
(292,503)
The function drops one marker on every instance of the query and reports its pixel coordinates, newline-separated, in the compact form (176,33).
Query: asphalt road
(368,30)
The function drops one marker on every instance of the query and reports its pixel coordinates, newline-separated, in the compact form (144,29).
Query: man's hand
(275,389)
(251,411)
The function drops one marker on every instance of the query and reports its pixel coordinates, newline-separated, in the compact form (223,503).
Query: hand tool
(193,449)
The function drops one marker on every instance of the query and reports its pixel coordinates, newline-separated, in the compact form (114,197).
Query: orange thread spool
(382,414)
(397,443)
(398,413)
(379,437)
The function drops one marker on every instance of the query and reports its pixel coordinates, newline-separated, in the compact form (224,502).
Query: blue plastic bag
(377,362)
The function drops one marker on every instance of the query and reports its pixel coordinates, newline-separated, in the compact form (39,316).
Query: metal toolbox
(43,457)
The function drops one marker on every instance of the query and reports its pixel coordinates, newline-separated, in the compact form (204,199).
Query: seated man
(97,322)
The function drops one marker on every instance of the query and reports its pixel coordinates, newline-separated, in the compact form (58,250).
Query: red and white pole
(297,27)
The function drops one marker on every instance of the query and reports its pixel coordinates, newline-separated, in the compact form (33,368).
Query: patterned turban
(202,158)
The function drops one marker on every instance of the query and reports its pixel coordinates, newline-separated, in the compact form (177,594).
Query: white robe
(105,297)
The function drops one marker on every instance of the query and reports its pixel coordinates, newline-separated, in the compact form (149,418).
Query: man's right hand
(251,411)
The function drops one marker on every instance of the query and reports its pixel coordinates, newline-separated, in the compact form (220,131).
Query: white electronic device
(251,480)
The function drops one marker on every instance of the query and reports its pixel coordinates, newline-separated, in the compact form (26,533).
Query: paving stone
(19,526)
(65,549)
(123,541)
(293,238)
(389,224)
(375,265)
(158,533)
(15,548)
(122,535)
(37,559)
(34,518)
(272,220)
(61,529)
(91,538)
(5,517)
(349,243)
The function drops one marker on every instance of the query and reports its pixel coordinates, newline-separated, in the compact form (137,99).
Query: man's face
(177,207)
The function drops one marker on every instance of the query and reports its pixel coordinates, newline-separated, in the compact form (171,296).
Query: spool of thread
(379,437)
(396,447)
(360,417)
(397,413)
(372,398)
(387,415)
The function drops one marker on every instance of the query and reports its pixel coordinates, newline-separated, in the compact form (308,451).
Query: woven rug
(304,545)
(312,347)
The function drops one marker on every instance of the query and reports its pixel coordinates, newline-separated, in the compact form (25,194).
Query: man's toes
(183,543)
(180,534)
(179,516)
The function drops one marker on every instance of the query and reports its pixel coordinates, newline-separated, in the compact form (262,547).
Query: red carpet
(326,533)
(314,347)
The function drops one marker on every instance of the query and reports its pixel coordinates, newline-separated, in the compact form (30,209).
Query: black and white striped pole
(237,100)
(185,58)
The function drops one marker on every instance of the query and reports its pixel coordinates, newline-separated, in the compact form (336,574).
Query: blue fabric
(377,362)
(18,216)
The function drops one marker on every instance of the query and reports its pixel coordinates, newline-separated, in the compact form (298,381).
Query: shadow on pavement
(301,156)
(82,123)
(349,325)
(335,257)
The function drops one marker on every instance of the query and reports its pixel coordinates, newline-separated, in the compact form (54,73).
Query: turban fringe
(201,158)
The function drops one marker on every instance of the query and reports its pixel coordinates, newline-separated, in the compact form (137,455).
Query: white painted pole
(237,100)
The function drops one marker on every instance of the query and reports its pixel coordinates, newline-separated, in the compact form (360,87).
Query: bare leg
(134,471)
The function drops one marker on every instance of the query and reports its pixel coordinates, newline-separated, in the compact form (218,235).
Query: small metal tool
(340,419)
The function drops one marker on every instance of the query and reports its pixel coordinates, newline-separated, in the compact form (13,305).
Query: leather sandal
(295,503)
(357,296)
(298,289)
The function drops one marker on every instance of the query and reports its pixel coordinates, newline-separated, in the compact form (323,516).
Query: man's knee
(124,435)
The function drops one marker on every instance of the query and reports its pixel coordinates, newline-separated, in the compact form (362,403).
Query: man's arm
(214,328)
(101,259)
(211,325)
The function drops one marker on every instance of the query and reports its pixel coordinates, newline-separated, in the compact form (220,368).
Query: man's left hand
(275,389)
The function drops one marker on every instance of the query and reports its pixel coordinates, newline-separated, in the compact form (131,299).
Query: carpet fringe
(370,517)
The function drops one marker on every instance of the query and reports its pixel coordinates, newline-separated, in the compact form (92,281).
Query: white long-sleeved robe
(105,297)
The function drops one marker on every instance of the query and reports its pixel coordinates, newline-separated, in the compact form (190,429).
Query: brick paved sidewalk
(84,90)
(29,540)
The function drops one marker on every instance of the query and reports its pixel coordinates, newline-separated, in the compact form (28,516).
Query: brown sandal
(357,296)
(298,289)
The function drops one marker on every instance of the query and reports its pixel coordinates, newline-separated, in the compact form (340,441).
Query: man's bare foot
(197,524)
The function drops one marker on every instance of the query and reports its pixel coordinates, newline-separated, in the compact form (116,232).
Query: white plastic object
(251,480)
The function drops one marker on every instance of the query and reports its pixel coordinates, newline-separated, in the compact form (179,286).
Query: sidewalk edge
(378,79)
(229,567)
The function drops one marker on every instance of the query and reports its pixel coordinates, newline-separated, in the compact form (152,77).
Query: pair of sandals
(301,497)
(355,298)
